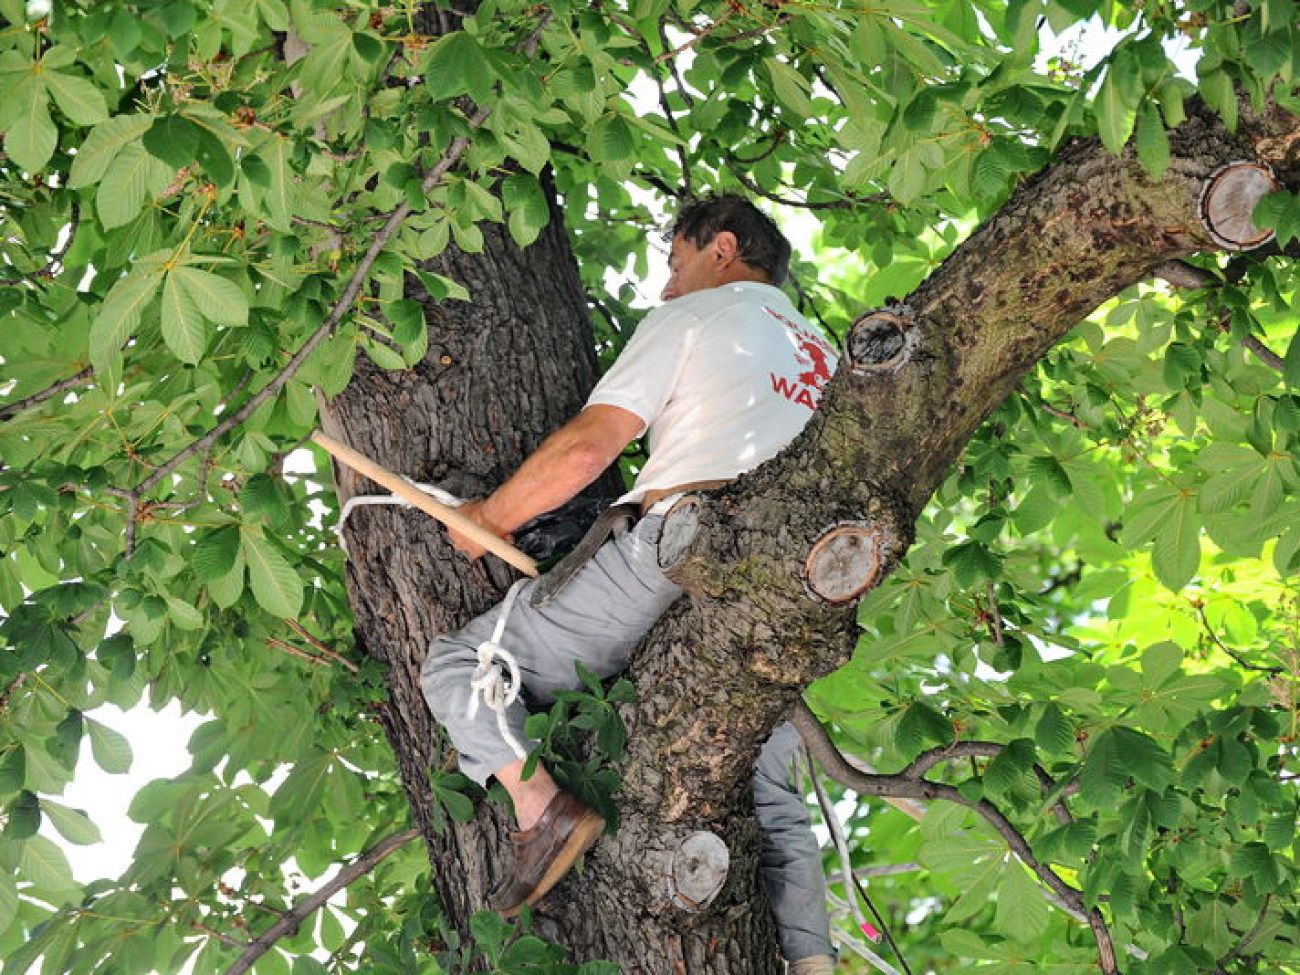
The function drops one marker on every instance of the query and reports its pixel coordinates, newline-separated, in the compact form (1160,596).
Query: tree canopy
(211,209)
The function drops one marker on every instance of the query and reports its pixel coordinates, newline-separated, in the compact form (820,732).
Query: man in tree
(719,380)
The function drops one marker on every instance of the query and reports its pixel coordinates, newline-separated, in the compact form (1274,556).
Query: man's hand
(476,511)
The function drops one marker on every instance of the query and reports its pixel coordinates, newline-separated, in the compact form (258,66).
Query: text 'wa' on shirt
(722,379)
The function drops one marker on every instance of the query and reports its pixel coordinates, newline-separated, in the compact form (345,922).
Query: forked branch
(912,786)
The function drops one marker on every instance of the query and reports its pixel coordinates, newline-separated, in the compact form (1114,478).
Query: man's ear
(728,247)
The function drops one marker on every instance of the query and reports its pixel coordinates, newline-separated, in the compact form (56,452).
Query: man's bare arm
(566,462)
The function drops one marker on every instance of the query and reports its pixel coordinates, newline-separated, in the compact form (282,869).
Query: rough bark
(726,663)
(501,372)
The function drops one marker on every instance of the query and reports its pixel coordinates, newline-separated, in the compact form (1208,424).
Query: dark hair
(761,243)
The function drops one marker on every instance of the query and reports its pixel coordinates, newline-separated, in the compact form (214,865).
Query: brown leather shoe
(566,830)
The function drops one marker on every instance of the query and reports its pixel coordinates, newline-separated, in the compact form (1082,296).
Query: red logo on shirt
(814,354)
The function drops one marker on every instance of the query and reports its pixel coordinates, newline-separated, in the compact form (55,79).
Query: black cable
(884,928)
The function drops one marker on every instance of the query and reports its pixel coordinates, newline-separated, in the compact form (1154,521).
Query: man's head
(720,239)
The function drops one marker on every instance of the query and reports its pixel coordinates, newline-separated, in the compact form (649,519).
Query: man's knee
(442,665)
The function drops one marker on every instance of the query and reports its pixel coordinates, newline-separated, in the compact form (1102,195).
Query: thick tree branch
(290,919)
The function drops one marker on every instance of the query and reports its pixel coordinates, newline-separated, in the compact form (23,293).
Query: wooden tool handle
(449,516)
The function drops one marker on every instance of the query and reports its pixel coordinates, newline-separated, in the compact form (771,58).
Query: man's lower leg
(555,830)
(530,796)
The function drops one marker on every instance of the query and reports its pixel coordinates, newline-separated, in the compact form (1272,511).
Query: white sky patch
(159,742)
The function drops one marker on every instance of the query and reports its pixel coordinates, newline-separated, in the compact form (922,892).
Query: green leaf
(23,816)
(448,789)
(457,65)
(610,139)
(1176,548)
(921,724)
(103,144)
(1280,211)
(278,197)
(111,750)
(32,136)
(217,299)
(8,899)
(1118,755)
(119,316)
(529,211)
(44,864)
(1115,114)
(132,179)
(276,585)
(77,98)
(216,553)
(1054,733)
(13,770)
(184,329)
(73,824)
(1022,911)
(172,139)
(1152,141)
(791,88)
(973,562)
(1220,94)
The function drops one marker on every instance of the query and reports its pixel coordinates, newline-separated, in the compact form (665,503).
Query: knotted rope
(488,682)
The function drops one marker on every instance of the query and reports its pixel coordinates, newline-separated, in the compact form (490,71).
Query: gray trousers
(598,620)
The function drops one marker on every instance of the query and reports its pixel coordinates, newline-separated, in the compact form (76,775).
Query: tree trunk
(500,374)
(773,565)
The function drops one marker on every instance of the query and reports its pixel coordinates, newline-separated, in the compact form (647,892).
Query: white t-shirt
(722,380)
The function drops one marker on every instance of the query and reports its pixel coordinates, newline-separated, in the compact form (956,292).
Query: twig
(1062,414)
(1264,353)
(886,869)
(806,301)
(699,36)
(304,908)
(290,649)
(132,510)
(13,409)
(1209,631)
(1180,274)
(749,35)
(946,753)
(221,936)
(1249,936)
(995,615)
(687,97)
(903,786)
(56,256)
(838,838)
(851,881)
(847,204)
(328,651)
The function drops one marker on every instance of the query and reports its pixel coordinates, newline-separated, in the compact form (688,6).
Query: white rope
(435,492)
(488,680)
